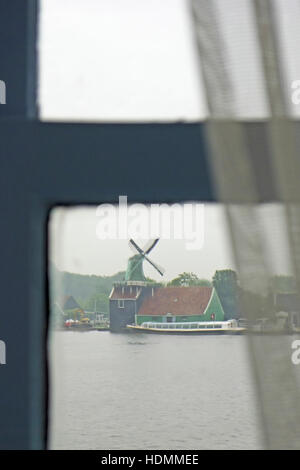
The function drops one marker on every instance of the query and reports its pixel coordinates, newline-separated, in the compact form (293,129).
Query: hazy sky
(118,60)
(76,248)
(127,60)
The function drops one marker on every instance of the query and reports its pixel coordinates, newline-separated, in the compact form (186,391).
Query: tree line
(92,292)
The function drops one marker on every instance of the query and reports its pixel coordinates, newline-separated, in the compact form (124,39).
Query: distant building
(139,302)
(69,303)
(289,303)
(68,306)
(125,300)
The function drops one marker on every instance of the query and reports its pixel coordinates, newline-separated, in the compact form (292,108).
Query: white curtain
(249,60)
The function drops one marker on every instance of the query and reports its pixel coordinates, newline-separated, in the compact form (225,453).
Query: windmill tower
(135,270)
(127,297)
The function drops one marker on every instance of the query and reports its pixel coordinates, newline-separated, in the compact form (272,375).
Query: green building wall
(214,306)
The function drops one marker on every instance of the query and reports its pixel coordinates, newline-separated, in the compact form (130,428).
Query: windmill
(135,270)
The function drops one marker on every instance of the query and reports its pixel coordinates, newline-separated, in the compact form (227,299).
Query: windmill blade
(156,266)
(133,244)
(146,249)
(150,245)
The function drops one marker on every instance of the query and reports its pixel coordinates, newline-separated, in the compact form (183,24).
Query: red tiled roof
(177,300)
(118,294)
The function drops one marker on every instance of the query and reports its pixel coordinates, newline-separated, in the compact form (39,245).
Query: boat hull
(192,331)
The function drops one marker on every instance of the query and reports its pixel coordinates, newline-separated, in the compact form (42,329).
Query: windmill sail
(135,270)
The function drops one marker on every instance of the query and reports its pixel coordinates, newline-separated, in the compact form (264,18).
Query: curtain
(248,62)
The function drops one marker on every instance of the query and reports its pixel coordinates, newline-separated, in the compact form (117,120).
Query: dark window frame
(48,164)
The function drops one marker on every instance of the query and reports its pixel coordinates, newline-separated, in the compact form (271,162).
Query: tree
(189,279)
(82,287)
(97,302)
(226,284)
(254,306)
(283,284)
(155,283)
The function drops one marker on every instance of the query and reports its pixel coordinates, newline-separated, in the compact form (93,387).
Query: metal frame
(45,164)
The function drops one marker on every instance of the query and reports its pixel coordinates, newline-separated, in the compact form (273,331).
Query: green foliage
(254,306)
(85,286)
(226,284)
(86,289)
(225,275)
(91,291)
(283,284)
(98,302)
(156,283)
(238,302)
(189,279)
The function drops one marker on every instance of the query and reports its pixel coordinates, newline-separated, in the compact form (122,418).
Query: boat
(174,328)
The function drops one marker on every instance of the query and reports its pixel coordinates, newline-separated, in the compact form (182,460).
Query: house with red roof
(181,304)
(138,302)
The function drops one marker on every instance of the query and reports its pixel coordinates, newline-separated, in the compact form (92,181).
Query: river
(139,391)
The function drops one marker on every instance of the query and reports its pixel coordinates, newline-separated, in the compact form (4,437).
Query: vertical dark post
(22,407)
(18,31)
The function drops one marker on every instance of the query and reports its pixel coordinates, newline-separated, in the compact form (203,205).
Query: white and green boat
(174,328)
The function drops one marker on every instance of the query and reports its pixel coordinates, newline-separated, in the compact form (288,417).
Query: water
(138,391)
